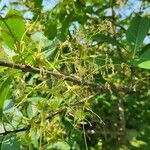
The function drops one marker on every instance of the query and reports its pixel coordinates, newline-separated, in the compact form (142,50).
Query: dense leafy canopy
(75,75)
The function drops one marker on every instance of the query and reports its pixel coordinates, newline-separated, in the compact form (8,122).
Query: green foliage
(141,63)
(107,39)
(144,60)
(61,145)
(146,54)
(135,35)
(100,53)
(13,29)
(4,90)
(51,29)
(10,143)
(137,31)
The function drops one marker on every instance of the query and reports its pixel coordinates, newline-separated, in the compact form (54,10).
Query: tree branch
(15,131)
(58,75)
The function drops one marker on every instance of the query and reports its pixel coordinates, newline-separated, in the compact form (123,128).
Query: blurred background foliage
(103,41)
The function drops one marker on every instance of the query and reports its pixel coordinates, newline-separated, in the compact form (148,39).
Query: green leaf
(60,145)
(146,54)
(38,37)
(51,51)
(10,143)
(32,110)
(51,30)
(144,64)
(138,143)
(35,100)
(4,90)
(65,27)
(144,61)
(145,48)
(35,137)
(107,39)
(137,31)
(38,3)
(13,28)
(141,63)
(68,123)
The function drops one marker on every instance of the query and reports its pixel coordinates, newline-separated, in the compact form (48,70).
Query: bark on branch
(59,75)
